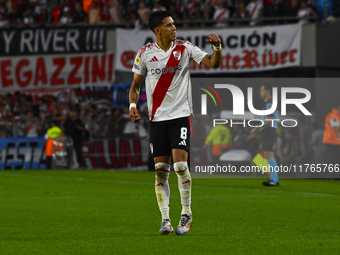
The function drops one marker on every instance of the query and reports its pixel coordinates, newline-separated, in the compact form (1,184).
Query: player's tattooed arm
(134,96)
(215,59)
(135,88)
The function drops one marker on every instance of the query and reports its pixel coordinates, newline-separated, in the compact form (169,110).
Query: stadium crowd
(24,115)
(186,13)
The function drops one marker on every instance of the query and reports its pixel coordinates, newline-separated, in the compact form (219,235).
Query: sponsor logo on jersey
(165,70)
(136,66)
(137,60)
(177,54)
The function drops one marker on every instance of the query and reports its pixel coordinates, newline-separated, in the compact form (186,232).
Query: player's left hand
(214,40)
(134,115)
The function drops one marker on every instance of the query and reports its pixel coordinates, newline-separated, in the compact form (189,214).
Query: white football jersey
(167,82)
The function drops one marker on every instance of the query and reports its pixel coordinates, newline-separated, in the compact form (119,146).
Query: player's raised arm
(134,96)
(215,59)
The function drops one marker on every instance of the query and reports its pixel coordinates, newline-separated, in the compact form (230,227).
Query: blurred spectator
(158,7)
(6,130)
(115,11)
(292,10)
(331,135)
(288,150)
(191,4)
(176,15)
(53,105)
(208,13)
(3,112)
(87,5)
(37,6)
(318,145)
(239,12)
(3,22)
(94,12)
(43,124)
(45,16)
(71,4)
(322,7)
(116,124)
(219,139)
(3,9)
(56,11)
(86,114)
(31,125)
(51,133)
(14,16)
(221,13)
(130,16)
(74,128)
(254,11)
(42,105)
(66,18)
(196,14)
(144,12)
(79,16)
(104,15)
(305,11)
(276,8)
(101,125)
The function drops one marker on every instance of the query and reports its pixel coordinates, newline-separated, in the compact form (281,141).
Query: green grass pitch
(115,212)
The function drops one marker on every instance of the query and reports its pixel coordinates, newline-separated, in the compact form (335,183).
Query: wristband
(217,48)
(132,105)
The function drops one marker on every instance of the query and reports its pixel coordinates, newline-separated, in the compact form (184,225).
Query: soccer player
(269,135)
(165,63)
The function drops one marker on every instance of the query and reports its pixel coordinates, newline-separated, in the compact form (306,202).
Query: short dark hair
(157,18)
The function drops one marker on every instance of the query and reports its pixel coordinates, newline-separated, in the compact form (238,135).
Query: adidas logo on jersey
(154,59)
(183,143)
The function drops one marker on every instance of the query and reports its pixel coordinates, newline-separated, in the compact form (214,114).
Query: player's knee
(181,168)
(162,171)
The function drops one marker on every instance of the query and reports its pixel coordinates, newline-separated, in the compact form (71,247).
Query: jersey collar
(172,45)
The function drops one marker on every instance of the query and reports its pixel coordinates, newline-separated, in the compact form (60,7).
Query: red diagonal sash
(165,80)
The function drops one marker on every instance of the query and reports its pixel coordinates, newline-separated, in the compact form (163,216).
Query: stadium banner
(52,40)
(56,71)
(116,153)
(29,153)
(22,153)
(244,50)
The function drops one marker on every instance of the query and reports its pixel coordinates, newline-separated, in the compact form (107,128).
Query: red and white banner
(244,50)
(56,71)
